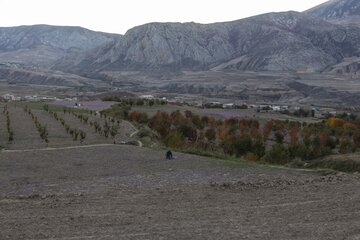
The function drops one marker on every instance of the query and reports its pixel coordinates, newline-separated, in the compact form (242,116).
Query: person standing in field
(169,155)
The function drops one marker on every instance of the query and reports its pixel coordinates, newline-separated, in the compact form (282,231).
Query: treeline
(274,141)
(134,101)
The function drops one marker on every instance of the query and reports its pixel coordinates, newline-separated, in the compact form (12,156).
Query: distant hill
(288,41)
(41,45)
(338,11)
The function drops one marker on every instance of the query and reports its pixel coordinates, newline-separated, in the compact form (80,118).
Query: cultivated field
(125,192)
(27,136)
(67,189)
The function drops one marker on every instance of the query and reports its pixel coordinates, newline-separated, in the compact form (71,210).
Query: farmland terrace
(70,190)
(127,192)
(67,189)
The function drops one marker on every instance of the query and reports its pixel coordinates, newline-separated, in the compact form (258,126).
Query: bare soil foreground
(125,192)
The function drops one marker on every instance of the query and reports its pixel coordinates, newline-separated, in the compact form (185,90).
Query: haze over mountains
(317,40)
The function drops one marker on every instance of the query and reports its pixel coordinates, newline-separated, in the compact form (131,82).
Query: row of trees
(42,129)
(76,134)
(135,101)
(105,130)
(272,141)
(8,124)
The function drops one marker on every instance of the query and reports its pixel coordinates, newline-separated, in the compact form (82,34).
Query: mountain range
(324,38)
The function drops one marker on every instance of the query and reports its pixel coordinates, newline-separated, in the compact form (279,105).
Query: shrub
(188,132)
(279,154)
(82,136)
(238,146)
(174,140)
(347,146)
(356,137)
(210,134)
(258,148)
(298,151)
(242,145)
(279,137)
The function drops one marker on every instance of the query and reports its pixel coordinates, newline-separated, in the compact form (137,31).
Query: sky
(118,16)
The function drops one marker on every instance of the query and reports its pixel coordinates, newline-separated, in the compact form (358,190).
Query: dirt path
(56,149)
(124,192)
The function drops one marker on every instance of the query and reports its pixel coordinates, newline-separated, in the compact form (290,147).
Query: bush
(258,148)
(356,137)
(278,155)
(237,146)
(279,137)
(347,146)
(147,133)
(174,140)
(210,134)
(242,146)
(188,132)
(298,151)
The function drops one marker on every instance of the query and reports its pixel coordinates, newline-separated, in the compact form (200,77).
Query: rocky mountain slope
(288,41)
(338,11)
(345,13)
(41,45)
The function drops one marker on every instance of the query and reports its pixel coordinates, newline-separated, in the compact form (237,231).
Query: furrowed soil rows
(124,192)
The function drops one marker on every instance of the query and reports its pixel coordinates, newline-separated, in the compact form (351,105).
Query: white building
(149,97)
(228,106)
(9,97)
(276,108)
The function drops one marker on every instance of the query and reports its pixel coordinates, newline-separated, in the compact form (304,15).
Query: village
(101,104)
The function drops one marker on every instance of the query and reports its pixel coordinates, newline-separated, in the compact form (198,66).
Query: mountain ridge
(338,11)
(43,44)
(287,41)
(284,41)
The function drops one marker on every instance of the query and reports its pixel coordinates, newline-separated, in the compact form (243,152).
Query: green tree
(174,140)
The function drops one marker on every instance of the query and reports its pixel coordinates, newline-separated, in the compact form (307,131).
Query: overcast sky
(117,16)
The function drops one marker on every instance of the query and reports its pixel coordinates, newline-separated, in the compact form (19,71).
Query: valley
(261,115)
